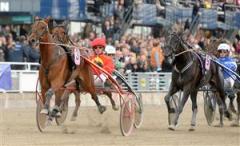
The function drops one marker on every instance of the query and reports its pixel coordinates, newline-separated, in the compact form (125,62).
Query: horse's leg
(219,85)
(231,106)
(186,93)
(44,110)
(173,90)
(109,95)
(171,111)
(48,96)
(236,123)
(194,109)
(222,107)
(77,102)
(58,103)
(238,104)
(87,83)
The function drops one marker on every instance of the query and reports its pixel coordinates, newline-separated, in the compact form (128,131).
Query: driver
(102,60)
(225,59)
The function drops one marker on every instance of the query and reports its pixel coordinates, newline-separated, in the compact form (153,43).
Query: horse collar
(184,69)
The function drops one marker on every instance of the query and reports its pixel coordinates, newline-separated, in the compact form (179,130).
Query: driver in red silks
(101,60)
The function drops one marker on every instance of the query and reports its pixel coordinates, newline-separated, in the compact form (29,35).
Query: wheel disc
(127,117)
(40,118)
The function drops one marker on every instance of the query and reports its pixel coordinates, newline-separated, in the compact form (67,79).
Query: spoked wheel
(138,112)
(174,102)
(209,106)
(60,120)
(127,117)
(40,118)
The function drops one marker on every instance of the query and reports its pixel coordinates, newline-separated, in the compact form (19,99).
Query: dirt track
(18,128)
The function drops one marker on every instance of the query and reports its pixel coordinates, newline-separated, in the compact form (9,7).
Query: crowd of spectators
(133,53)
(16,48)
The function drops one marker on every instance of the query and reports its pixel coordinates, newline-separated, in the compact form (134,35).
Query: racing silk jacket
(103,61)
(229,63)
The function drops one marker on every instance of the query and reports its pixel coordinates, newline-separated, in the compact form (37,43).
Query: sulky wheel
(41,118)
(60,120)
(127,117)
(174,106)
(138,112)
(209,106)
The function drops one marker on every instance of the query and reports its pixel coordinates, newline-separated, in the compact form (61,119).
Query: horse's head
(60,32)
(39,29)
(173,45)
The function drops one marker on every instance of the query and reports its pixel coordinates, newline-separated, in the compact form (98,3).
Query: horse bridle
(40,34)
(173,54)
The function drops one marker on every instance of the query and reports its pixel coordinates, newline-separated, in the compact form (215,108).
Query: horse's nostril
(32,40)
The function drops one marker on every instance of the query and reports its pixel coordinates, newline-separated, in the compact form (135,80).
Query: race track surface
(18,128)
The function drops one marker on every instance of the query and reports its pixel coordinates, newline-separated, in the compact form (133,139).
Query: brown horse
(60,35)
(54,70)
(56,32)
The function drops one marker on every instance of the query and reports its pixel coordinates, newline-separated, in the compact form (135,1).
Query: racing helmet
(98,42)
(224,46)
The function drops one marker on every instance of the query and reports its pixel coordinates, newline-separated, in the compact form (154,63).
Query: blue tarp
(5,77)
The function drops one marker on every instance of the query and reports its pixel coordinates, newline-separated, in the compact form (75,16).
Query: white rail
(25,80)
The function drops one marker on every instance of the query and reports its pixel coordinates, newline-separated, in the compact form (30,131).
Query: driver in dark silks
(229,62)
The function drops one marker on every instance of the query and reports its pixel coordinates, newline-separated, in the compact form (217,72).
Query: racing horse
(60,34)
(237,87)
(188,76)
(56,31)
(54,70)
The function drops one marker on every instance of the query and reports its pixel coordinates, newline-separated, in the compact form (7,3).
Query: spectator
(156,56)
(23,30)
(14,52)
(131,65)
(142,65)
(2,47)
(119,62)
(134,46)
(236,44)
(108,29)
(33,53)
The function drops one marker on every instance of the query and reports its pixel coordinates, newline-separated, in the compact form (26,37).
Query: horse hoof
(44,111)
(102,109)
(192,128)
(219,125)
(232,109)
(73,118)
(172,127)
(115,108)
(235,124)
(58,114)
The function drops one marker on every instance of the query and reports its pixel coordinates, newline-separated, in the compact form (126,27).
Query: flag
(5,77)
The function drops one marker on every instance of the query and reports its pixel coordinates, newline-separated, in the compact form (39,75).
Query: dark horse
(188,76)
(60,35)
(54,71)
(237,87)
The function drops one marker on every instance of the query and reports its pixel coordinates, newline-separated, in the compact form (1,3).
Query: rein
(58,44)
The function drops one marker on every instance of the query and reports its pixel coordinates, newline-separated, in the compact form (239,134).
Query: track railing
(25,80)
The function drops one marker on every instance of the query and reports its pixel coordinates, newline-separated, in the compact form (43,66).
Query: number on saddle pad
(77,56)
